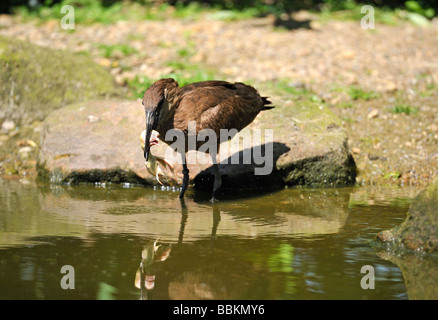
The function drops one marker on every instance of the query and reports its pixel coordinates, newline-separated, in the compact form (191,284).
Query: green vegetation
(393,175)
(138,85)
(295,90)
(415,6)
(346,105)
(417,12)
(382,15)
(356,93)
(184,73)
(91,11)
(288,86)
(370,140)
(86,12)
(110,51)
(404,108)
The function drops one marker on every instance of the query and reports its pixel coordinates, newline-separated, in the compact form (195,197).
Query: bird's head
(153,100)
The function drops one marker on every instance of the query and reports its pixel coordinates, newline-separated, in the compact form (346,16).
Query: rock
(24,152)
(419,232)
(390,86)
(92,118)
(420,274)
(74,149)
(308,148)
(35,80)
(356,150)
(373,114)
(433,127)
(8,125)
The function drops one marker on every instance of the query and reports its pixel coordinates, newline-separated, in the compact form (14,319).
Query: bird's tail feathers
(266,103)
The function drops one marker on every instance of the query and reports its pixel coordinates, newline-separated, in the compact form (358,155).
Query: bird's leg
(217,181)
(184,215)
(185,178)
(216,220)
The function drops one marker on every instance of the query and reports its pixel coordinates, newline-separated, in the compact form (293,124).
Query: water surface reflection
(131,243)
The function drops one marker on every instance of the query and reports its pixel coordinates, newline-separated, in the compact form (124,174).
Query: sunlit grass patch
(288,86)
(91,11)
(110,51)
(394,175)
(404,108)
(357,93)
(351,10)
(345,105)
(184,74)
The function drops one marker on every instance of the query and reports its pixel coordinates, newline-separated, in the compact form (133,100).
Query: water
(288,244)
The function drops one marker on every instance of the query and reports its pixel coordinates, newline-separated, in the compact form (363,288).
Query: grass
(86,12)
(431,86)
(394,175)
(91,11)
(350,10)
(233,15)
(110,51)
(138,86)
(382,15)
(357,93)
(370,140)
(404,108)
(345,105)
(288,86)
(431,90)
(287,89)
(184,73)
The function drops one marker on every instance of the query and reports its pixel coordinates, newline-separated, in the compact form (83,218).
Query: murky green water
(289,244)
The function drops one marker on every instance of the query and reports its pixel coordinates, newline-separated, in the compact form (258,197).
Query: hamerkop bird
(212,105)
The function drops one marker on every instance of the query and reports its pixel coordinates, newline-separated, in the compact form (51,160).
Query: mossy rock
(309,148)
(419,232)
(35,81)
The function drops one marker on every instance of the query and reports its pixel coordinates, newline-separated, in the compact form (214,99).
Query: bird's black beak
(150,125)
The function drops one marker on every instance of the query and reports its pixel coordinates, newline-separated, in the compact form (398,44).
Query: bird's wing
(204,84)
(230,106)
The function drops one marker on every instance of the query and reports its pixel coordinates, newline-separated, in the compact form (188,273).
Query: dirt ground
(382,83)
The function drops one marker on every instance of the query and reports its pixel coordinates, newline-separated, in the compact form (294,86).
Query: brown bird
(213,105)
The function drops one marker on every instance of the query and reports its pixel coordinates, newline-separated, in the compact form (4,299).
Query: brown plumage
(213,105)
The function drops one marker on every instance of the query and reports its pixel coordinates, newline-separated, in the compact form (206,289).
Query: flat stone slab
(98,141)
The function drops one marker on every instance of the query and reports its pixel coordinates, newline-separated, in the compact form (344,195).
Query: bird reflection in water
(145,277)
(185,215)
(154,252)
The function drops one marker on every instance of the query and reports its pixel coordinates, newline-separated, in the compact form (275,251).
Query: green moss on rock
(419,232)
(35,81)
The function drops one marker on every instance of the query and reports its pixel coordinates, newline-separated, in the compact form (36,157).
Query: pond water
(287,244)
